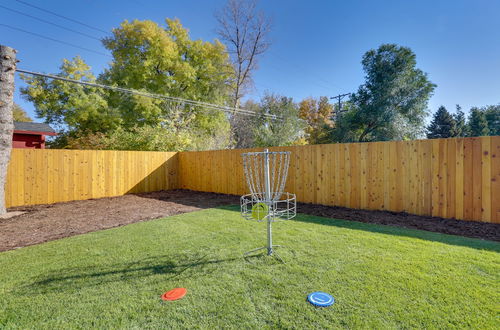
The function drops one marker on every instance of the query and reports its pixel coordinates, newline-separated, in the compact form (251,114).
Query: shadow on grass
(393,230)
(76,278)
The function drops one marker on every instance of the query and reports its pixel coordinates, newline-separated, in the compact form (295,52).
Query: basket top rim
(265,152)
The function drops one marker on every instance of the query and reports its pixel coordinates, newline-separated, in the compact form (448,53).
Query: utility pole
(339,109)
(7,70)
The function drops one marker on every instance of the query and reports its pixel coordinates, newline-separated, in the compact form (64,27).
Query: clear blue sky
(317,45)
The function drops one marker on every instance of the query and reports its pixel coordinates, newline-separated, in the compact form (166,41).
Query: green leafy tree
(284,132)
(150,58)
(165,61)
(478,125)
(392,103)
(317,114)
(461,128)
(19,114)
(443,125)
(348,126)
(71,107)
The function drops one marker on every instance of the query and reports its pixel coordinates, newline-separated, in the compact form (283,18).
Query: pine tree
(478,126)
(460,129)
(442,125)
(492,114)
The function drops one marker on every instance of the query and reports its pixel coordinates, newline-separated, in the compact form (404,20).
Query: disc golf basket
(265,174)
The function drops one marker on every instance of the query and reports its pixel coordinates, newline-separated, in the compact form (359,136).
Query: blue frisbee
(320,299)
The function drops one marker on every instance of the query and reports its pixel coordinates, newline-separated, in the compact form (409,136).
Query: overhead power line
(55,40)
(153,95)
(63,17)
(50,23)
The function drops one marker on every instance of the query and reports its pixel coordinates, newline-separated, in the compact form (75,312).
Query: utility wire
(50,23)
(152,95)
(55,40)
(62,16)
(106,32)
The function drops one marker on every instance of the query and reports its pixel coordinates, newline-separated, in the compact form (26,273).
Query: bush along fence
(451,178)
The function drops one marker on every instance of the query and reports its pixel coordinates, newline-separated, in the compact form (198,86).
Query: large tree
(461,128)
(492,114)
(478,125)
(245,31)
(149,58)
(19,114)
(392,103)
(71,108)
(7,70)
(443,125)
(318,115)
(278,132)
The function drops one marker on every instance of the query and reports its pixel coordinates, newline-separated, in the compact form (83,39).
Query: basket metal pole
(268,202)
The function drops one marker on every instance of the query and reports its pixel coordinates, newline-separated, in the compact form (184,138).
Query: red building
(30,135)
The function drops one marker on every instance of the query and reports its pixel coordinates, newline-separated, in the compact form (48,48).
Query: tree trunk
(7,71)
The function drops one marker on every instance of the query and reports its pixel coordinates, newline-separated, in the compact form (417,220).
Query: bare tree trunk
(7,71)
(245,32)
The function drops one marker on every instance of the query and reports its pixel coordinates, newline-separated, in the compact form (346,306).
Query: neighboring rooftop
(33,127)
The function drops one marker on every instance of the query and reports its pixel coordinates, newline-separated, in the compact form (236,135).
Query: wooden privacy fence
(41,176)
(451,178)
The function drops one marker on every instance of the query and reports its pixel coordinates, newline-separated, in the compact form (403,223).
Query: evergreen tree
(442,125)
(492,114)
(478,126)
(461,128)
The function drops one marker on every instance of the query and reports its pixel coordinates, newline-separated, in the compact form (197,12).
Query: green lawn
(380,276)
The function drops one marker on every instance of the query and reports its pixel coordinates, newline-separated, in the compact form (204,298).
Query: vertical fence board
(486,178)
(355,175)
(450,177)
(364,176)
(459,179)
(468,177)
(495,179)
(347,175)
(476,178)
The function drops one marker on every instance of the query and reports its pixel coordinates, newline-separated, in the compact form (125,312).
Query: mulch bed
(474,229)
(42,223)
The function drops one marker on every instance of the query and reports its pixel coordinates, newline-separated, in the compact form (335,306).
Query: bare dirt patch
(43,223)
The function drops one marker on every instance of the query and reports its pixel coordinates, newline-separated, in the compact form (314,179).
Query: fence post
(7,71)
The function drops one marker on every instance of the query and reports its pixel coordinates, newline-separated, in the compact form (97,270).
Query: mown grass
(380,276)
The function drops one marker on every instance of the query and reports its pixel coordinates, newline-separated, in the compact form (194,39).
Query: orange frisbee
(174,294)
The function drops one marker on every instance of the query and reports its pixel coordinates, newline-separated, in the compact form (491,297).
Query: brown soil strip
(42,223)
(474,229)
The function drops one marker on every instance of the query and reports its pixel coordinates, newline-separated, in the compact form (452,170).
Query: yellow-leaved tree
(318,114)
